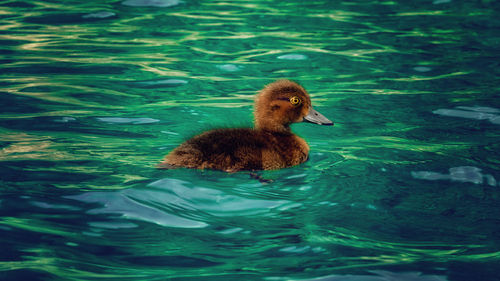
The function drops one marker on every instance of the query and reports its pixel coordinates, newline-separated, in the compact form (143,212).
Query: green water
(405,186)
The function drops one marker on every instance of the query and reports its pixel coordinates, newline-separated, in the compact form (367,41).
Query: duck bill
(317,118)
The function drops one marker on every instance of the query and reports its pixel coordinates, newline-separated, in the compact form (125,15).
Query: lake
(404,187)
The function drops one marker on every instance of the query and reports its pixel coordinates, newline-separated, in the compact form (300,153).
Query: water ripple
(216,202)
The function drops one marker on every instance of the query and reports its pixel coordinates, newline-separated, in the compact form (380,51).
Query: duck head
(282,103)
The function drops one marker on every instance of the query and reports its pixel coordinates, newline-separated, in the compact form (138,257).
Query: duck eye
(295,100)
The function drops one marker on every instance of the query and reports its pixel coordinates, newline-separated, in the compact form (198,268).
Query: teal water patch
(94,94)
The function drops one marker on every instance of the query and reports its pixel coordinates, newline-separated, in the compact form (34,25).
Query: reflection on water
(462,174)
(380,275)
(476,112)
(292,57)
(151,3)
(94,94)
(99,15)
(127,120)
(169,194)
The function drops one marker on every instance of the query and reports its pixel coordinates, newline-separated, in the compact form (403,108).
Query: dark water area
(405,186)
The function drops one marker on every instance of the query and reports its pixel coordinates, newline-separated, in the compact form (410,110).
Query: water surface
(405,186)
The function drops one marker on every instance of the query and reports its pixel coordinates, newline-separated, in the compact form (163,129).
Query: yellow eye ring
(295,100)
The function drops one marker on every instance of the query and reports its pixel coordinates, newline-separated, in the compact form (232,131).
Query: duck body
(240,149)
(269,145)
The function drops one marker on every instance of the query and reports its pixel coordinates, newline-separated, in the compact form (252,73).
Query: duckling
(269,145)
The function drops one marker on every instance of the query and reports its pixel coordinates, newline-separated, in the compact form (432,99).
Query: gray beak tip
(317,118)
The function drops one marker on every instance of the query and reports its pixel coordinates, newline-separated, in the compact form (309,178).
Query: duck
(269,145)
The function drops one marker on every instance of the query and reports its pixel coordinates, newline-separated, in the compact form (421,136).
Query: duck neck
(272,127)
